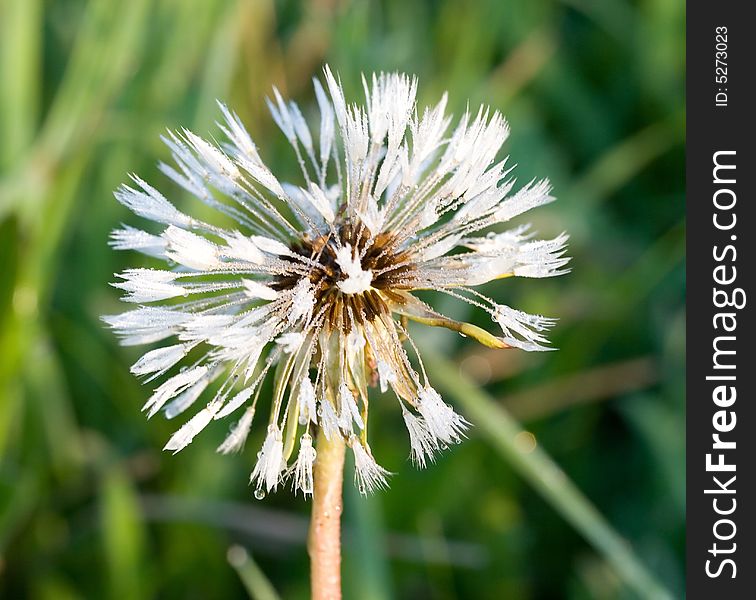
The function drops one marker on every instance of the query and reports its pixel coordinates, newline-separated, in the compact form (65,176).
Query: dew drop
(259,494)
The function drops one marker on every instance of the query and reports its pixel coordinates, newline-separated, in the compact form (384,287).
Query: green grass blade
(20,82)
(258,586)
(545,476)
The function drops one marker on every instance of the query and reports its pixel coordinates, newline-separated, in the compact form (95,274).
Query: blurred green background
(91,508)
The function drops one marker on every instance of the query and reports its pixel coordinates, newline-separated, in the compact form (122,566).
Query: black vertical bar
(721,560)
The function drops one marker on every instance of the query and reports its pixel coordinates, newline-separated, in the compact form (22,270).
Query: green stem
(545,476)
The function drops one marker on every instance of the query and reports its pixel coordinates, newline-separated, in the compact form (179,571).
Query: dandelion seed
(521,329)
(302,469)
(254,289)
(329,420)
(309,283)
(184,436)
(306,401)
(348,410)
(270,463)
(290,342)
(234,441)
(159,359)
(386,374)
(369,476)
(190,249)
(130,238)
(445,425)
(189,396)
(423,444)
(242,248)
(172,387)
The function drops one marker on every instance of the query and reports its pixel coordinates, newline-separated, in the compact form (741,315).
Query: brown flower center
(389,267)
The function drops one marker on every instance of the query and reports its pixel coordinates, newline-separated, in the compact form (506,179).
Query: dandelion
(302,478)
(312,282)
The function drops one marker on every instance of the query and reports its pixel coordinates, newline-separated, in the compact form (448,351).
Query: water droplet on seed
(259,494)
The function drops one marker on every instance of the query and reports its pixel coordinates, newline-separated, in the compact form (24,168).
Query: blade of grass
(545,476)
(625,160)
(523,64)
(258,586)
(192,22)
(590,385)
(288,528)
(45,206)
(20,51)
(124,535)
(101,62)
(369,577)
(440,576)
(220,63)
(48,402)
(19,490)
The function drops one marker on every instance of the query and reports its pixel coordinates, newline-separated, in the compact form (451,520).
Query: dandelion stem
(324,543)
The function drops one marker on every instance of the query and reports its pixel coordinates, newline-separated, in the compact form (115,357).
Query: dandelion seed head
(310,283)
